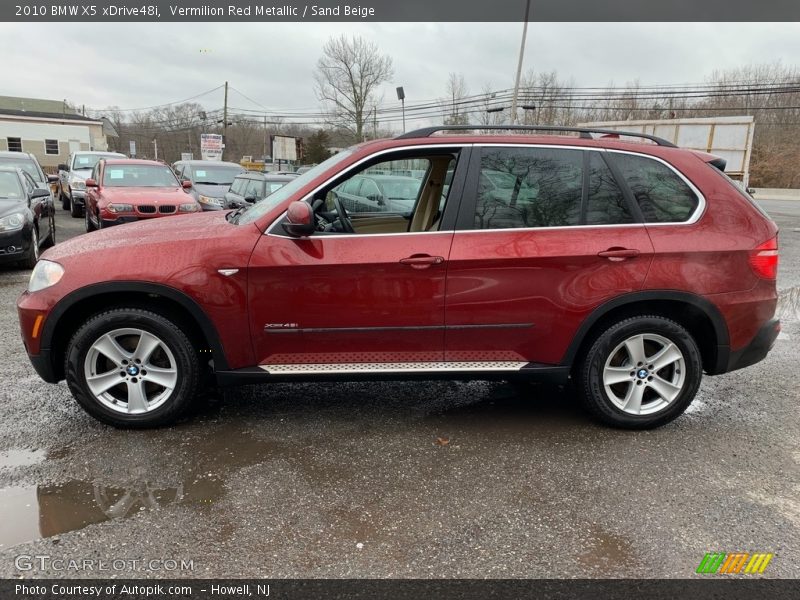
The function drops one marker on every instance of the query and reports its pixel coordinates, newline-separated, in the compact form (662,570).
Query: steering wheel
(345,221)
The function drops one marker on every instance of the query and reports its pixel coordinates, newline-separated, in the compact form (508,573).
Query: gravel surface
(441,479)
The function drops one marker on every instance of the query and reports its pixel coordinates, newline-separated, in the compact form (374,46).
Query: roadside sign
(284,148)
(133,148)
(187,156)
(211,146)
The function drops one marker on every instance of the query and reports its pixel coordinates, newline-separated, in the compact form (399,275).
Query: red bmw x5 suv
(630,267)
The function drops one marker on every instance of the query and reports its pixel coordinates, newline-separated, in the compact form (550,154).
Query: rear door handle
(421,261)
(617,254)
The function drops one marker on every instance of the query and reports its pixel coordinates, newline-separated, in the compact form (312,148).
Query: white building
(49,130)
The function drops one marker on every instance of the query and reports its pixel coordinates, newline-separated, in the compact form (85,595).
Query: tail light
(764,259)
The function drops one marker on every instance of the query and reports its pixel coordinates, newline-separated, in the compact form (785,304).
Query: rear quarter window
(662,195)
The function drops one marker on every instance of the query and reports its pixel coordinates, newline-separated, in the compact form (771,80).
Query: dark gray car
(379,193)
(210,179)
(252,186)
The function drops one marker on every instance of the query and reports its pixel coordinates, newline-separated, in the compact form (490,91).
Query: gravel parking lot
(439,479)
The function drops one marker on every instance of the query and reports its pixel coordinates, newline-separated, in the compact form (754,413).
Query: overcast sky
(139,65)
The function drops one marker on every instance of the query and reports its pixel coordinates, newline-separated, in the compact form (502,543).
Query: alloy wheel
(644,374)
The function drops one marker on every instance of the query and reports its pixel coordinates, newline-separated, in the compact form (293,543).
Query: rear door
(545,234)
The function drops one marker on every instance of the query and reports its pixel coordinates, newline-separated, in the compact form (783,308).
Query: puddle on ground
(31,512)
(20,457)
(607,552)
(788,305)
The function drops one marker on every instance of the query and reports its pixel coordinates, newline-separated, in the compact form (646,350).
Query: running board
(484,370)
(393,367)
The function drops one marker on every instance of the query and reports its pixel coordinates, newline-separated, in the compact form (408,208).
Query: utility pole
(225,119)
(265,137)
(155,148)
(519,63)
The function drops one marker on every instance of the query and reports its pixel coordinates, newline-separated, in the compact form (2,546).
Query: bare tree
(453,102)
(348,75)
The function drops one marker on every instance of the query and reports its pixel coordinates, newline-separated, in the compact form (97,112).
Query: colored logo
(736,562)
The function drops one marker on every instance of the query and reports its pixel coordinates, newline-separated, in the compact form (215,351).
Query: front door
(361,298)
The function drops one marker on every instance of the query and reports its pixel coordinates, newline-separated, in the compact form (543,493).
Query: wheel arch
(697,314)
(71,312)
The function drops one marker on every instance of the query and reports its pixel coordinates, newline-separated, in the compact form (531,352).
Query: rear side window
(529,187)
(662,195)
(605,202)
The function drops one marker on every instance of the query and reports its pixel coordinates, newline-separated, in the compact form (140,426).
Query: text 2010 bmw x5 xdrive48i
(630,267)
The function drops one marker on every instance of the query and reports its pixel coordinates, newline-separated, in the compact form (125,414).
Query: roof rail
(584,132)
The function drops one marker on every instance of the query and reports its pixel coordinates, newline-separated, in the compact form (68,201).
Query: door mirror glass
(91,183)
(186,184)
(299,219)
(63,167)
(40,193)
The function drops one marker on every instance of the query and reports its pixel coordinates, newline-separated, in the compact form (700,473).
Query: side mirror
(299,219)
(186,184)
(40,193)
(376,198)
(751,191)
(251,198)
(63,167)
(91,183)
(52,178)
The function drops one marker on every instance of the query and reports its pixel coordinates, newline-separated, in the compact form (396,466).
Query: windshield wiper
(233,217)
(211,183)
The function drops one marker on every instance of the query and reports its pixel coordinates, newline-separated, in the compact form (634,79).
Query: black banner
(400,10)
(459,589)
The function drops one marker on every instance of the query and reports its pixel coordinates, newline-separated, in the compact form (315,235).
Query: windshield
(286,192)
(215,175)
(139,176)
(9,185)
(26,165)
(88,161)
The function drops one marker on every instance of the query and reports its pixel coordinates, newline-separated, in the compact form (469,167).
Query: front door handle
(421,261)
(618,254)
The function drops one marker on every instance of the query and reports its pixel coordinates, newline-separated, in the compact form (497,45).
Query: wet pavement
(433,479)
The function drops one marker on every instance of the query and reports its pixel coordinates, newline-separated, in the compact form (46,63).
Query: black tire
(32,255)
(88,221)
(64,199)
(185,357)
(51,237)
(75,210)
(591,388)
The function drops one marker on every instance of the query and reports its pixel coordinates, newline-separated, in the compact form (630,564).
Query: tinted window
(605,202)
(529,187)
(238,185)
(661,194)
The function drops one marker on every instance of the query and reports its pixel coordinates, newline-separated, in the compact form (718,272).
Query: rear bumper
(757,349)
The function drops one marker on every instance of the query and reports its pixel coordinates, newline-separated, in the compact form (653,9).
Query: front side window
(529,187)
(662,195)
(138,176)
(238,185)
(372,191)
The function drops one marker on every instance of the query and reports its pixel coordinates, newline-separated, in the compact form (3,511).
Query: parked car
(252,187)
(28,163)
(379,193)
(27,218)
(123,190)
(72,178)
(210,180)
(630,270)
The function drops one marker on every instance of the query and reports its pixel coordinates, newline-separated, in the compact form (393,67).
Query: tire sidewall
(599,353)
(180,346)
